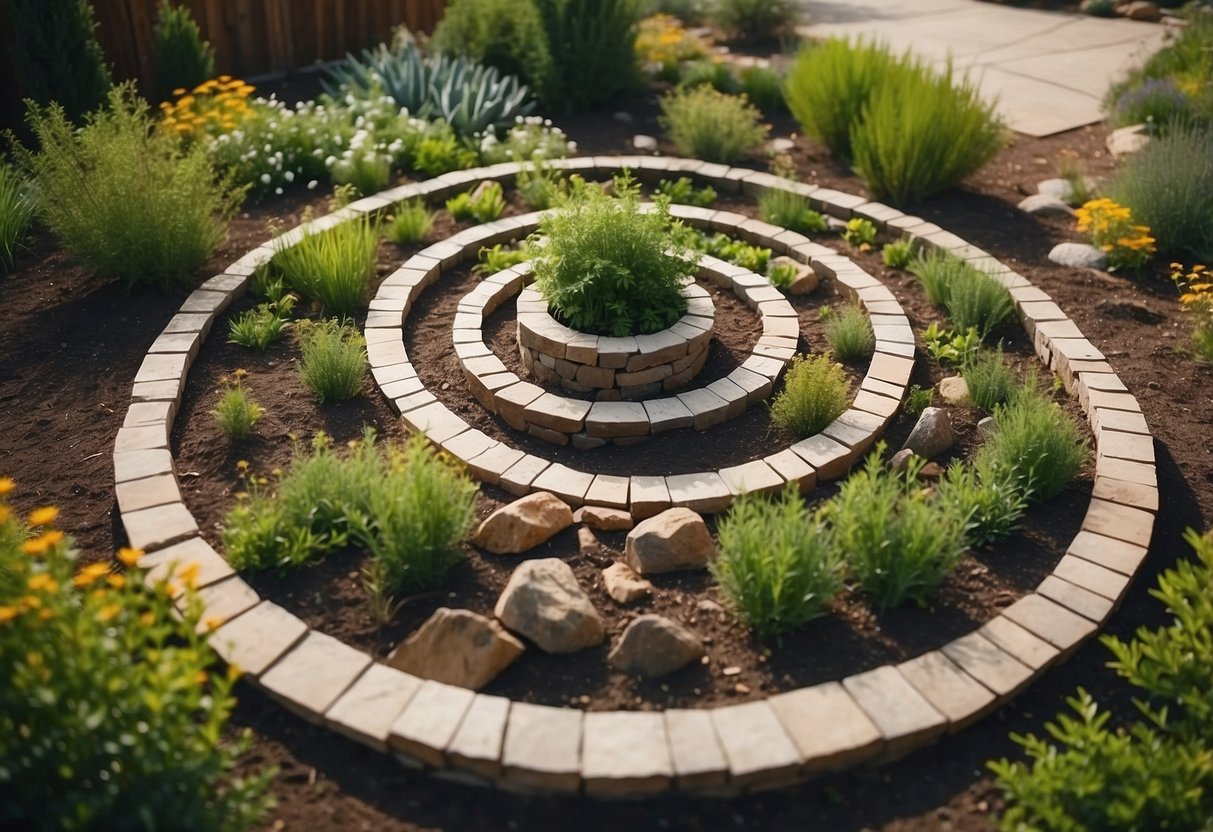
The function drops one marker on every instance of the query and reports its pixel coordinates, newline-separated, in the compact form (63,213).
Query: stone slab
(989,664)
(829,728)
(477,744)
(312,674)
(904,718)
(543,747)
(949,689)
(159,526)
(253,641)
(755,744)
(625,753)
(366,710)
(1061,627)
(429,721)
(695,752)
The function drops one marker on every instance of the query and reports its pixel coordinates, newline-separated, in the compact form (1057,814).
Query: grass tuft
(816,392)
(334,360)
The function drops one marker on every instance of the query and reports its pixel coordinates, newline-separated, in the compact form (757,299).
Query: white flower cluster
(531,137)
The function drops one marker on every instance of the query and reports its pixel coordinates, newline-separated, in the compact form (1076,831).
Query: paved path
(1048,70)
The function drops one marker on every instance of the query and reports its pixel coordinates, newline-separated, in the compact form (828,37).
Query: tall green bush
(756,19)
(506,34)
(55,52)
(123,198)
(183,58)
(592,43)
(707,124)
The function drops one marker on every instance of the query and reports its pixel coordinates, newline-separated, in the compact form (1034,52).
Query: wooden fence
(259,37)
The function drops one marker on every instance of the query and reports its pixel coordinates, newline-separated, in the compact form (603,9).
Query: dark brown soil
(70,344)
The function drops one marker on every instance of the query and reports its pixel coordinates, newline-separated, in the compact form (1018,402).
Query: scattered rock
(1141,10)
(604,519)
(931,471)
(1063,190)
(954,390)
(623,584)
(1131,310)
(1078,255)
(987,426)
(806,281)
(708,605)
(901,459)
(1039,205)
(653,645)
(544,603)
(731,671)
(457,647)
(645,144)
(1126,140)
(673,540)
(932,434)
(624,117)
(587,543)
(781,145)
(523,524)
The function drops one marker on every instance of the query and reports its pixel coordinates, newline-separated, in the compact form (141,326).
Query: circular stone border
(870,716)
(560,419)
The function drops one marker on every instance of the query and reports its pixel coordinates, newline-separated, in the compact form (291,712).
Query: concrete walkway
(1048,71)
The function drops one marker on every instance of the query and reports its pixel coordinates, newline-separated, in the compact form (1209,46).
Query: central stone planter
(612,368)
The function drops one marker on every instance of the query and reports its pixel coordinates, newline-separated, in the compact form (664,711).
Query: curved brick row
(879,714)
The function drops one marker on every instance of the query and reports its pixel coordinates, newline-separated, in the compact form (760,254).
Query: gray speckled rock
(1078,255)
(1040,205)
(1126,140)
(654,646)
(674,540)
(932,434)
(544,602)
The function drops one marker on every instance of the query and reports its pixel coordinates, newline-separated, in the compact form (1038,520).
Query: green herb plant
(333,365)
(816,391)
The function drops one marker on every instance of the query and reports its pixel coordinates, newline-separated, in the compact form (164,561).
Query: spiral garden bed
(877,713)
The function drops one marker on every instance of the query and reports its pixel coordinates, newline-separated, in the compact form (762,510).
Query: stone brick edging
(875,715)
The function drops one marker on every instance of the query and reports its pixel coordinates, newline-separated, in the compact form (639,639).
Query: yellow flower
(46,614)
(1197,269)
(6,485)
(242,466)
(8,613)
(30,602)
(43,516)
(35,547)
(212,623)
(90,575)
(108,613)
(234,672)
(52,537)
(4,513)
(223,79)
(147,619)
(189,575)
(42,581)
(116,581)
(129,557)
(200,677)
(179,91)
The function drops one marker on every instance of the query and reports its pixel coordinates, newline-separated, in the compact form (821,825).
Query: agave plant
(471,97)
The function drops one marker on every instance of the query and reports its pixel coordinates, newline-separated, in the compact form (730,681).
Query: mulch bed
(70,344)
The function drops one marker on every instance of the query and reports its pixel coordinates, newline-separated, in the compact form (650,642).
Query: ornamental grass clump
(123,198)
(790,210)
(409,225)
(849,333)
(333,268)
(710,125)
(899,540)
(333,365)
(815,392)
(16,214)
(990,381)
(236,413)
(262,325)
(987,497)
(971,297)
(607,268)
(774,565)
(114,710)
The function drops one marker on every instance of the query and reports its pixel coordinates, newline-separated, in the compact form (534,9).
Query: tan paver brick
(1085,603)
(159,526)
(1104,419)
(610,420)
(436,421)
(566,483)
(755,744)
(695,751)
(167,563)
(256,639)
(1054,623)
(1126,493)
(141,437)
(1132,525)
(704,492)
(477,744)
(367,709)
(1122,445)
(668,414)
(159,490)
(313,673)
(829,458)
(138,465)
(649,496)
(625,753)
(557,413)
(1092,577)
(904,718)
(754,477)
(490,465)
(607,490)
(429,721)
(829,728)
(221,602)
(793,468)
(543,747)
(1116,555)
(1033,652)
(518,477)
(989,664)
(949,689)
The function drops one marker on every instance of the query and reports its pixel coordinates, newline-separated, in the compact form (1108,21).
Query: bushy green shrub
(782,275)
(333,267)
(1154,773)
(790,210)
(1168,185)
(764,86)
(774,566)
(737,252)
(715,74)
(16,214)
(922,131)
(592,44)
(98,654)
(830,83)
(53,46)
(815,392)
(334,360)
(988,498)
(498,258)
(183,58)
(990,381)
(123,198)
(410,507)
(899,541)
(505,34)
(261,326)
(860,232)
(236,413)
(484,204)
(897,255)
(972,298)
(608,268)
(849,333)
(411,222)
(756,19)
(711,125)
(683,192)
(540,185)
(1036,441)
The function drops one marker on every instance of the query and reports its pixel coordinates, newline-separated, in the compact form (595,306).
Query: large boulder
(523,524)
(457,647)
(543,602)
(673,540)
(932,434)
(653,645)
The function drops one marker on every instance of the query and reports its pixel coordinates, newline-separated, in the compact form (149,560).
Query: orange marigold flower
(108,613)
(147,619)
(6,485)
(35,547)
(89,575)
(46,614)
(8,613)
(43,516)
(42,581)
(200,677)
(179,91)
(116,581)
(128,556)
(4,513)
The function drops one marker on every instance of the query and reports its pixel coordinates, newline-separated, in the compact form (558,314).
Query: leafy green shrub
(764,86)
(411,222)
(951,346)
(263,325)
(918,400)
(333,267)
(860,233)
(711,125)
(236,413)
(505,34)
(1158,103)
(850,334)
(441,154)
(815,392)
(782,275)
(483,204)
(990,381)
(334,360)
(897,255)
(1181,71)
(183,59)
(16,214)
(790,210)
(684,192)
(124,199)
(92,653)
(410,507)
(1168,185)
(540,185)
(592,44)
(972,298)
(921,132)
(1154,774)
(988,498)
(605,268)
(774,565)
(53,46)
(498,258)
(756,19)
(737,252)
(1036,441)
(830,83)
(715,74)
(899,541)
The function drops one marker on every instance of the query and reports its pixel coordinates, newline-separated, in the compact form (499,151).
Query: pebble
(732,671)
